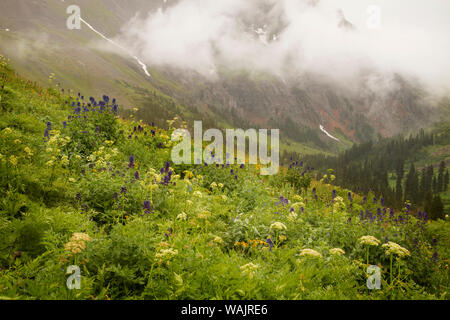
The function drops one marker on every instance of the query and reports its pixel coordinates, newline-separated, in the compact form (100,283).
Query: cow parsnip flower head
(310,253)
(78,236)
(218,240)
(395,249)
(249,269)
(166,254)
(77,242)
(369,240)
(182,216)
(292,216)
(198,194)
(278,226)
(337,252)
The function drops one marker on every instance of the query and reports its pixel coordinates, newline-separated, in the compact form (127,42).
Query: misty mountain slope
(298,103)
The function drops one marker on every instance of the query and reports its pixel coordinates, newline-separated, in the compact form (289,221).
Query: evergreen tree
(440,179)
(398,190)
(434,188)
(437,208)
(446,177)
(428,201)
(429,180)
(412,185)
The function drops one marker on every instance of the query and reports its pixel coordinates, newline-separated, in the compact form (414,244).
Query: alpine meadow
(224,150)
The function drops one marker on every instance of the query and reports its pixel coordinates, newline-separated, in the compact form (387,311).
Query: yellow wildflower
(28,151)
(65,160)
(13,160)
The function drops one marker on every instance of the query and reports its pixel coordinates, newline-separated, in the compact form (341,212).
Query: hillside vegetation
(81,186)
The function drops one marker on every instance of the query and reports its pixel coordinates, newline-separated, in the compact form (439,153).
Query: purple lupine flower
(64,124)
(391,213)
(147,207)
(123,190)
(167,167)
(242,166)
(46,134)
(291,210)
(375,200)
(434,242)
(365,200)
(136,175)
(333,194)
(131,162)
(270,243)
(382,202)
(435,257)
(379,215)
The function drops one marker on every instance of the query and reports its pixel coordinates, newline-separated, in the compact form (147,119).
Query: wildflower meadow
(83,188)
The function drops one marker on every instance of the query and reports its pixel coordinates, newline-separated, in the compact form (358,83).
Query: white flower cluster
(278,226)
(310,253)
(249,269)
(337,252)
(395,249)
(369,240)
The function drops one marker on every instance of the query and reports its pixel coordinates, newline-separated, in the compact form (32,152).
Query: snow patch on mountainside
(144,67)
(329,135)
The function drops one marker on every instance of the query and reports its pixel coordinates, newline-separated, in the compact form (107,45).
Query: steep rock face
(39,43)
(308,101)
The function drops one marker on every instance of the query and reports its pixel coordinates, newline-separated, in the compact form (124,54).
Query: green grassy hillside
(83,187)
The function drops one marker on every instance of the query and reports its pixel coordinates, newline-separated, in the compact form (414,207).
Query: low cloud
(292,37)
